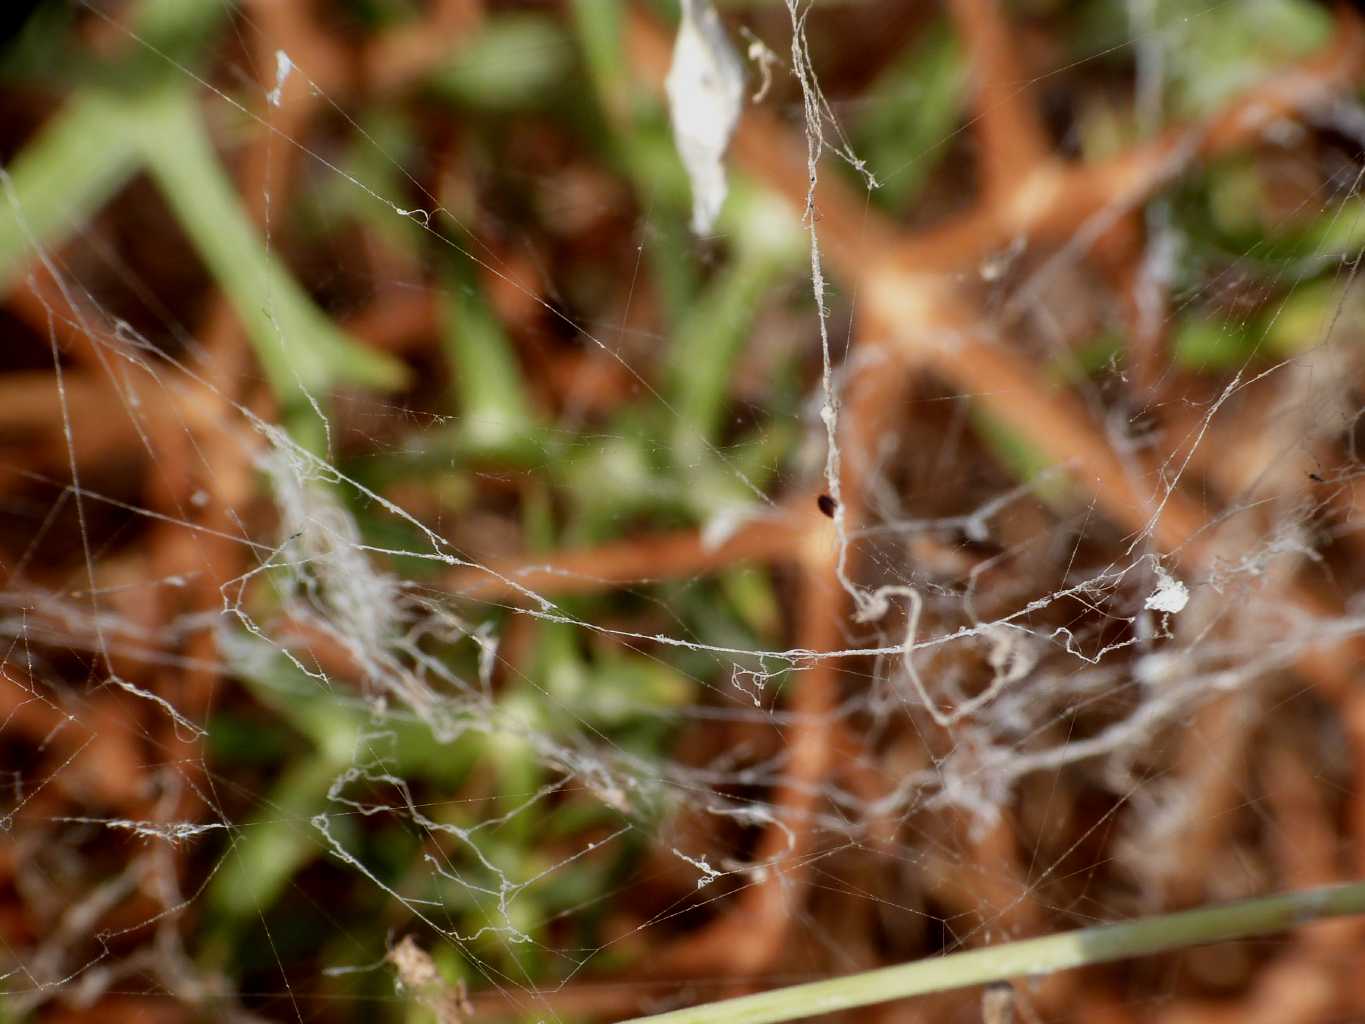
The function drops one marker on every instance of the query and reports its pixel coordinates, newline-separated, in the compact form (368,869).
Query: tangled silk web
(579,683)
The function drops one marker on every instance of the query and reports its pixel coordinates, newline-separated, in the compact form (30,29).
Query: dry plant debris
(409,527)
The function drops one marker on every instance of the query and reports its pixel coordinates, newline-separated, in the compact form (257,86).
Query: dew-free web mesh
(441,584)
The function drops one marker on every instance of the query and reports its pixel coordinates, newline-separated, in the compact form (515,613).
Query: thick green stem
(1030,958)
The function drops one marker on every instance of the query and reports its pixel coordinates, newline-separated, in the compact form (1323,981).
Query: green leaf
(495,410)
(911,109)
(512,61)
(1215,51)
(89,152)
(302,351)
(1209,343)
(84,155)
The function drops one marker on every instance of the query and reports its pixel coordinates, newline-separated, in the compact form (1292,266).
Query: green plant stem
(1030,957)
(709,340)
(638,138)
(299,348)
(273,848)
(495,409)
(82,157)
(93,147)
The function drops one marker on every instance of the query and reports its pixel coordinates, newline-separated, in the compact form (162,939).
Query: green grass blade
(710,336)
(513,61)
(709,340)
(495,409)
(84,155)
(638,138)
(1030,957)
(271,849)
(911,111)
(298,346)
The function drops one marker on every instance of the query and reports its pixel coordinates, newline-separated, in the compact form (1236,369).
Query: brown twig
(1013,141)
(634,562)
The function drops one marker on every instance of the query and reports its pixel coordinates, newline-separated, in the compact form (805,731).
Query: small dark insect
(827,505)
(1314,476)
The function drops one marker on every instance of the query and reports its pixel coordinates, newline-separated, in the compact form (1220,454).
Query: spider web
(436,581)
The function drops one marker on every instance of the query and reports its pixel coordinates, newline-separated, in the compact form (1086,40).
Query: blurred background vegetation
(444,245)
